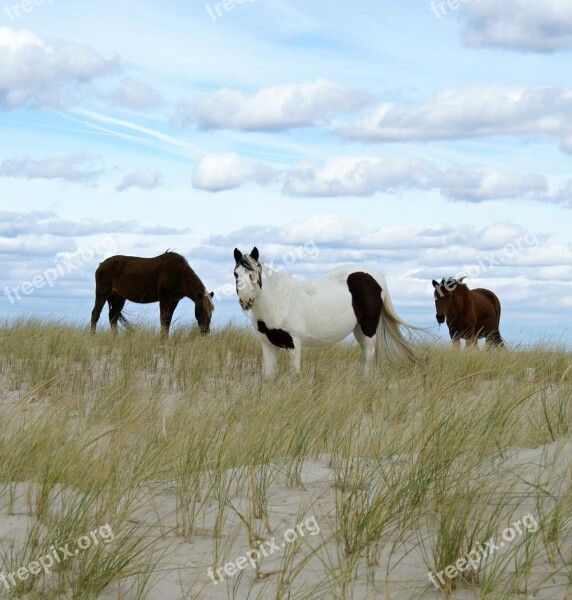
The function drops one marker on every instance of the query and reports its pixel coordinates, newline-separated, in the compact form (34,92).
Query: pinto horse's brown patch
(366,301)
(277,337)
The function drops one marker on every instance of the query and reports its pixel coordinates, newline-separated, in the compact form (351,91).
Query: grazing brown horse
(166,279)
(470,314)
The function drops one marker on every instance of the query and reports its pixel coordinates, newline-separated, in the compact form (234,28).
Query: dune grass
(179,444)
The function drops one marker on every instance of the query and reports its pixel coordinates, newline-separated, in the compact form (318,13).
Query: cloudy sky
(428,139)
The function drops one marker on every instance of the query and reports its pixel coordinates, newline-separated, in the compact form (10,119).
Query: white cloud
(476,111)
(12,39)
(555,272)
(323,229)
(566,144)
(78,167)
(45,75)
(217,172)
(526,25)
(475,184)
(15,249)
(41,224)
(134,95)
(357,176)
(337,231)
(362,176)
(563,196)
(143,179)
(366,176)
(273,108)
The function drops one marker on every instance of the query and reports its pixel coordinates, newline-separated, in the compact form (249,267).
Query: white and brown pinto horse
(288,312)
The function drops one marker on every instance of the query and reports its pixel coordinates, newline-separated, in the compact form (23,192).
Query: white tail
(389,337)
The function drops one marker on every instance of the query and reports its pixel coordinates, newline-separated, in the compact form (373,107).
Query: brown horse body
(166,279)
(470,314)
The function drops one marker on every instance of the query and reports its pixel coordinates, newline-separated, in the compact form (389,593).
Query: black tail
(496,339)
(122,319)
(116,304)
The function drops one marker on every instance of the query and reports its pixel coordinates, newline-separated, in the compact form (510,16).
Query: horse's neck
(273,294)
(461,300)
(193,285)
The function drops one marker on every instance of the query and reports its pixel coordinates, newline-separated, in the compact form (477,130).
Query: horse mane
(249,263)
(207,302)
(452,282)
(176,255)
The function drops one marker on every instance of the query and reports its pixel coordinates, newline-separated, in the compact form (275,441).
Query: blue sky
(429,141)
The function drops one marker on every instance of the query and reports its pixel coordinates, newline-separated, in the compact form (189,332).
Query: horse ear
(254,253)
(237,255)
(212,294)
(460,280)
(435,283)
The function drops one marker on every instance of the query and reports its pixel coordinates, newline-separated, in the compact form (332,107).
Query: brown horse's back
(132,277)
(140,279)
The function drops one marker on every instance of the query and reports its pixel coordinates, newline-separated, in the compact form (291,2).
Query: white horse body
(289,313)
(317,312)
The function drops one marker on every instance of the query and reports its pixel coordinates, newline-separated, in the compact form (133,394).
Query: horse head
(204,308)
(443,294)
(248,277)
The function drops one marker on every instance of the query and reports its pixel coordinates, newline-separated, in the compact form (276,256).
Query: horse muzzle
(246,304)
(440,319)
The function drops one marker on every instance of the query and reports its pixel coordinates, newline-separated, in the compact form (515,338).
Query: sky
(428,139)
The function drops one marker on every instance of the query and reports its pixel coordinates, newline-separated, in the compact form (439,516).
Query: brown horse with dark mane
(166,279)
(470,314)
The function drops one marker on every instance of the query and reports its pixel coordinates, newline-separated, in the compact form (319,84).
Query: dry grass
(192,460)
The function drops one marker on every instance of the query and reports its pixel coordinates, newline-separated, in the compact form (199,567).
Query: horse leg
(100,300)
(494,338)
(455,338)
(269,358)
(471,341)
(367,345)
(166,323)
(166,314)
(295,357)
(116,304)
